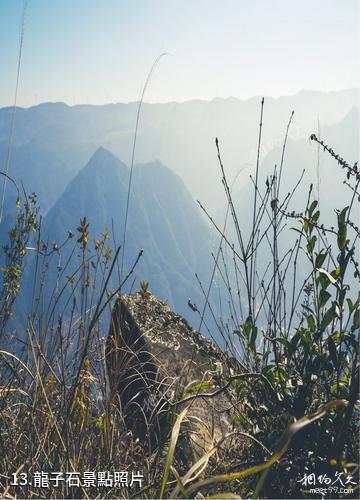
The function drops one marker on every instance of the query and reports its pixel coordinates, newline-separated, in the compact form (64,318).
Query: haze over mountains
(56,139)
(75,159)
(163,221)
(306,159)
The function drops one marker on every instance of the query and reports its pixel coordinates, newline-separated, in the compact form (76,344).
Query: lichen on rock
(155,360)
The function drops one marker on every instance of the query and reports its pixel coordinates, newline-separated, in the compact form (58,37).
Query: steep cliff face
(158,365)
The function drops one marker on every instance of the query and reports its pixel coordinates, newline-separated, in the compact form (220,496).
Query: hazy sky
(98,51)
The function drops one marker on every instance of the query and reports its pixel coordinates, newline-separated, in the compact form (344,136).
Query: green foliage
(14,253)
(297,360)
(313,362)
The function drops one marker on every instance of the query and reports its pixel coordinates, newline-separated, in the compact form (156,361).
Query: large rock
(154,360)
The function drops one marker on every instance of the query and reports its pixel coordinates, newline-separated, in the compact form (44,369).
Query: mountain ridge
(216,98)
(158,224)
(60,138)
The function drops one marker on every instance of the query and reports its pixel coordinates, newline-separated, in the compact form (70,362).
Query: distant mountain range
(320,169)
(164,222)
(54,139)
(53,142)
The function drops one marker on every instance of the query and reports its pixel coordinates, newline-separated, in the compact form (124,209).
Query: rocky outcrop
(157,364)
